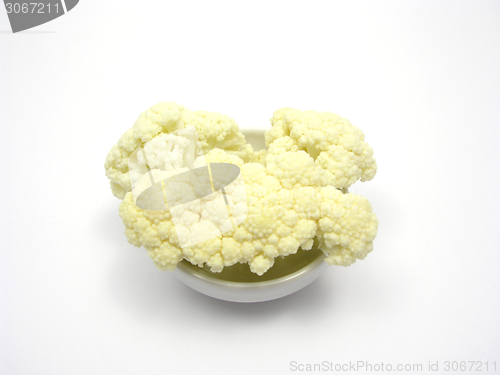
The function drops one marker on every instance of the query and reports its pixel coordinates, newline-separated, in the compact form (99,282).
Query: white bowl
(237,284)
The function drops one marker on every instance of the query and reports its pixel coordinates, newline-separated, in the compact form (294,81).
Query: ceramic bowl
(237,284)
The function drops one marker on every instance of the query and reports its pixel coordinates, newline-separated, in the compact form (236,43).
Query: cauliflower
(288,197)
(337,147)
(214,131)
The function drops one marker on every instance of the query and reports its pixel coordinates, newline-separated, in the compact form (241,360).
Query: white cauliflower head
(288,197)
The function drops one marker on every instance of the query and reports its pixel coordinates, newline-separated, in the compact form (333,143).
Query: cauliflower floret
(258,157)
(260,264)
(221,156)
(341,167)
(347,226)
(337,146)
(214,131)
(295,169)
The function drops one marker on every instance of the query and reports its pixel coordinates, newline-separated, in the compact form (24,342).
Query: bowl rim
(319,261)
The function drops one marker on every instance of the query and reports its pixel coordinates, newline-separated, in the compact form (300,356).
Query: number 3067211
(32,8)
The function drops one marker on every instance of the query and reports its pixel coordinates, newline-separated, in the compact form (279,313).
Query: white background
(421,79)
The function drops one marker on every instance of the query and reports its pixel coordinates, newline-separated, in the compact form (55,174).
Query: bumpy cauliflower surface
(337,146)
(214,131)
(293,189)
